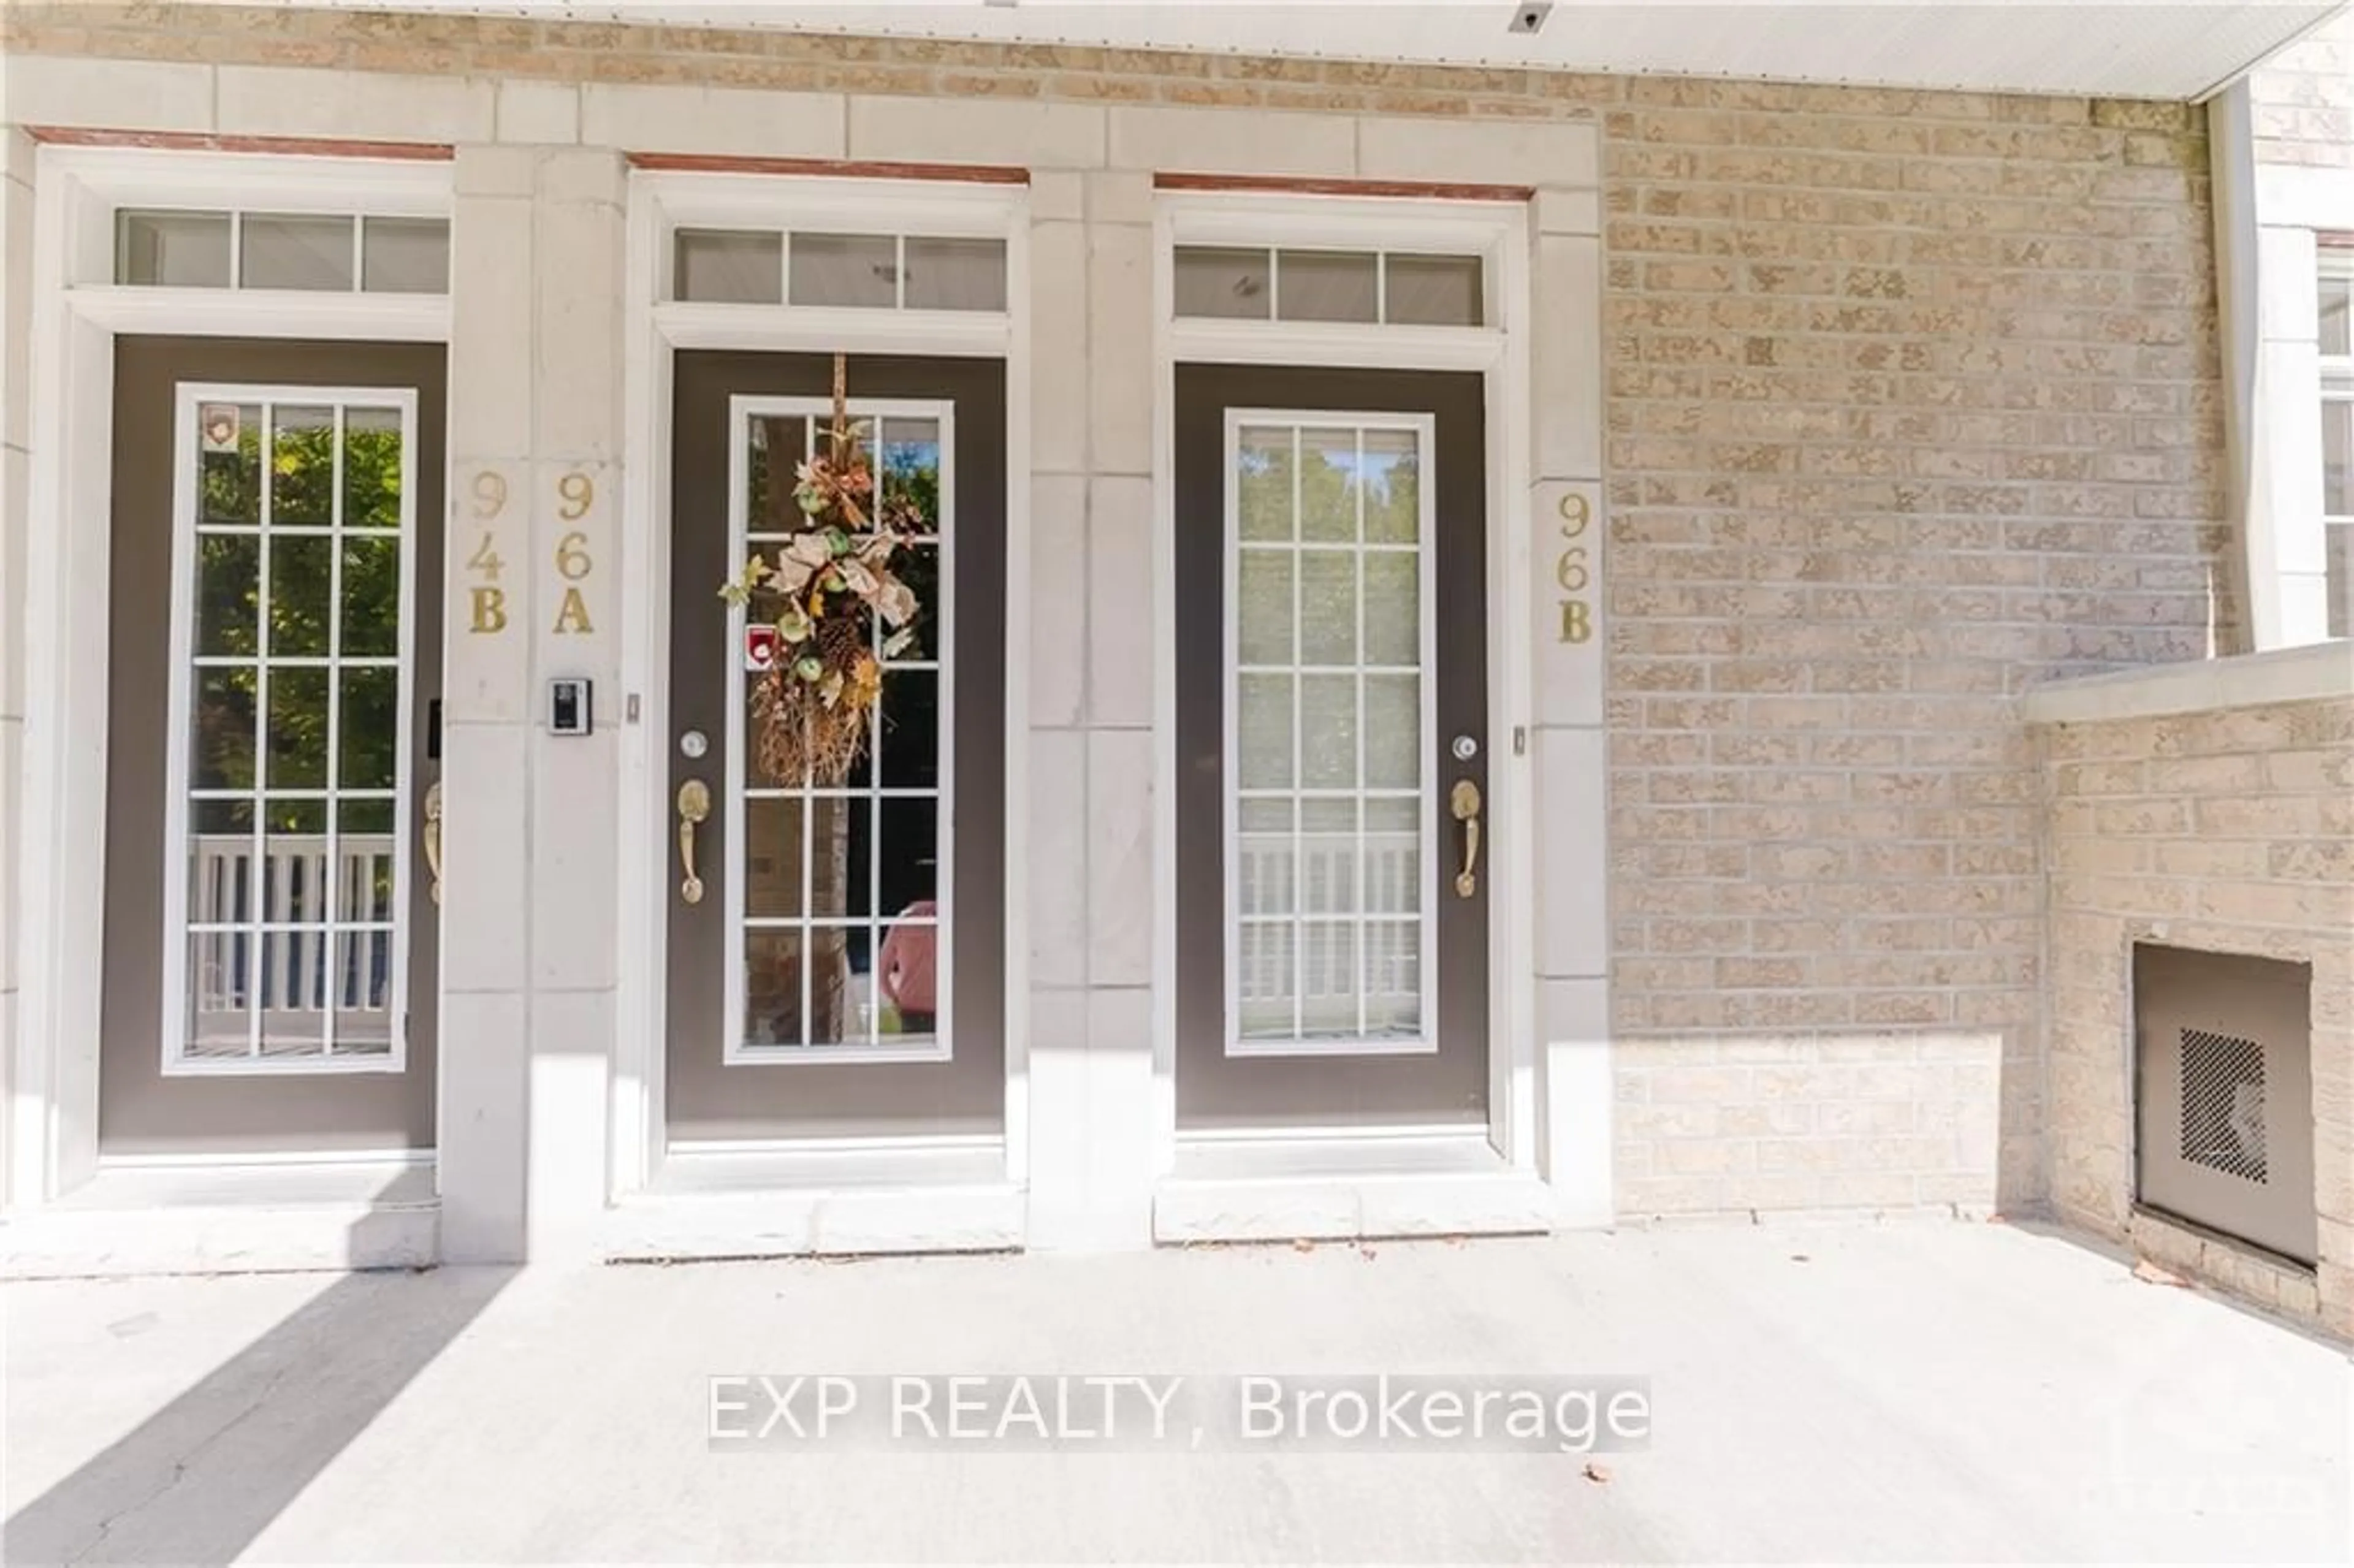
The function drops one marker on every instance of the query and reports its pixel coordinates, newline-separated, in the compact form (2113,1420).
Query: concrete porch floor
(1861,1392)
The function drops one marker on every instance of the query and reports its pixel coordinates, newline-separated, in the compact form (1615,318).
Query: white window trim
(53,1146)
(1499,351)
(736,1052)
(2336,382)
(174,1023)
(1425,431)
(2269,217)
(110,179)
(661,201)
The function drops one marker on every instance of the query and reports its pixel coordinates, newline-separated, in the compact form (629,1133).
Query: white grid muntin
(178,927)
(1422,427)
(735,1051)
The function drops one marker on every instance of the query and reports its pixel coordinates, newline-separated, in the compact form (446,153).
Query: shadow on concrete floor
(2047,1228)
(202,1477)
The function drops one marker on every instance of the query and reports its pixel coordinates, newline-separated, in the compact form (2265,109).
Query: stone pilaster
(1567,820)
(529,933)
(1090,895)
(16,332)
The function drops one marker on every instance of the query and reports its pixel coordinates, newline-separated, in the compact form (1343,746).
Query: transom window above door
(858,270)
(1384,288)
(332,252)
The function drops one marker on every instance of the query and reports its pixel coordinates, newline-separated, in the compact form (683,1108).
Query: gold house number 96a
(575,494)
(1571,571)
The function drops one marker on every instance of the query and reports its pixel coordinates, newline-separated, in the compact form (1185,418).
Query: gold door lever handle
(1464,802)
(433,837)
(694,806)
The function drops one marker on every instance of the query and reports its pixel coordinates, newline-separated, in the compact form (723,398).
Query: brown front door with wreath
(836,927)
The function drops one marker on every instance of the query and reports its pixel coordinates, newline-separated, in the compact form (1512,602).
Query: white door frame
(656,330)
(77,311)
(1499,352)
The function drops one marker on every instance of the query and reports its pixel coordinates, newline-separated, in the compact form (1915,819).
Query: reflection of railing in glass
(1322,882)
(300,969)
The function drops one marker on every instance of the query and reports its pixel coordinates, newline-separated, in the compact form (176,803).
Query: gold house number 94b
(1571,571)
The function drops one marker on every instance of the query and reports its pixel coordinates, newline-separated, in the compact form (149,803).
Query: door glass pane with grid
(292,623)
(839,896)
(2335,318)
(1328,583)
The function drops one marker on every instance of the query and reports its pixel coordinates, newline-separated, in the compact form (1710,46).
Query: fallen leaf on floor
(1303,1245)
(1598,1474)
(2149,1273)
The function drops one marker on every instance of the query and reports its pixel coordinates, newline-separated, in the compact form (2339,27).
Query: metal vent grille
(2223,1129)
(2223,1104)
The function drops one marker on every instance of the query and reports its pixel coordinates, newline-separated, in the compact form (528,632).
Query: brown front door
(841,972)
(271,948)
(1332,747)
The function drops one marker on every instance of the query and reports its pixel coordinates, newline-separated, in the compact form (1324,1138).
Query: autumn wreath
(838,607)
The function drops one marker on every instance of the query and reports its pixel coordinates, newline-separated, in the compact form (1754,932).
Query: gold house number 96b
(1571,571)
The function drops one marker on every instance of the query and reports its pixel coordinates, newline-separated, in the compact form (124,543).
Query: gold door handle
(1464,800)
(694,806)
(433,837)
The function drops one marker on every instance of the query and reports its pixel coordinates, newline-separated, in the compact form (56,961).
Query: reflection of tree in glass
(301,479)
(371,728)
(911,473)
(775,441)
(1390,481)
(912,470)
(302,469)
(1390,478)
(224,704)
(1393,496)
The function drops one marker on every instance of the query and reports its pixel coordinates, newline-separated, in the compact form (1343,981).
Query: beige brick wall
(1911,400)
(2302,101)
(2232,830)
